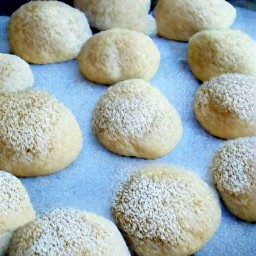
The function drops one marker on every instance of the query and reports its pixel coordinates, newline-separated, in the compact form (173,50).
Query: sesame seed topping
(66,232)
(234,94)
(234,166)
(132,108)
(162,204)
(27,120)
(13,196)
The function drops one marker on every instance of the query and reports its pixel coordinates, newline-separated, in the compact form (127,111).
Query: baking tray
(89,183)
(251,4)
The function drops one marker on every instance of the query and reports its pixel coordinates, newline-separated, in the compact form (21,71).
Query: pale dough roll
(166,211)
(118,54)
(225,106)
(38,135)
(234,171)
(44,32)
(15,73)
(68,232)
(133,119)
(107,14)
(15,208)
(215,52)
(181,19)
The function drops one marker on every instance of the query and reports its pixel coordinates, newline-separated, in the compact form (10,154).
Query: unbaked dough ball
(133,119)
(166,211)
(68,232)
(15,208)
(15,73)
(38,134)
(181,19)
(130,14)
(118,54)
(234,171)
(216,52)
(226,107)
(44,32)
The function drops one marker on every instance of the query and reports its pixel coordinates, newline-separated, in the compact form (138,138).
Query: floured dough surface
(44,32)
(215,52)
(107,14)
(181,19)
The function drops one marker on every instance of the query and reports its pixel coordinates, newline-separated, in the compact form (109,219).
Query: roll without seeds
(107,14)
(215,52)
(181,19)
(44,32)
(118,54)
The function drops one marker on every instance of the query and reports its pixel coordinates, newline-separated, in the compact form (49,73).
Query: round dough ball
(234,171)
(15,208)
(225,106)
(133,119)
(15,73)
(118,54)
(44,32)
(181,19)
(166,211)
(68,232)
(38,135)
(215,52)
(107,14)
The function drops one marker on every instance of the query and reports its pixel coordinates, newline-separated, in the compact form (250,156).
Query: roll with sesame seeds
(15,208)
(234,171)
(226,107)
(68,232)
(38,134)
(133,119)
(166,211)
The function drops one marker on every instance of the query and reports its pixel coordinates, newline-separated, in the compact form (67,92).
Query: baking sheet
(89,183)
